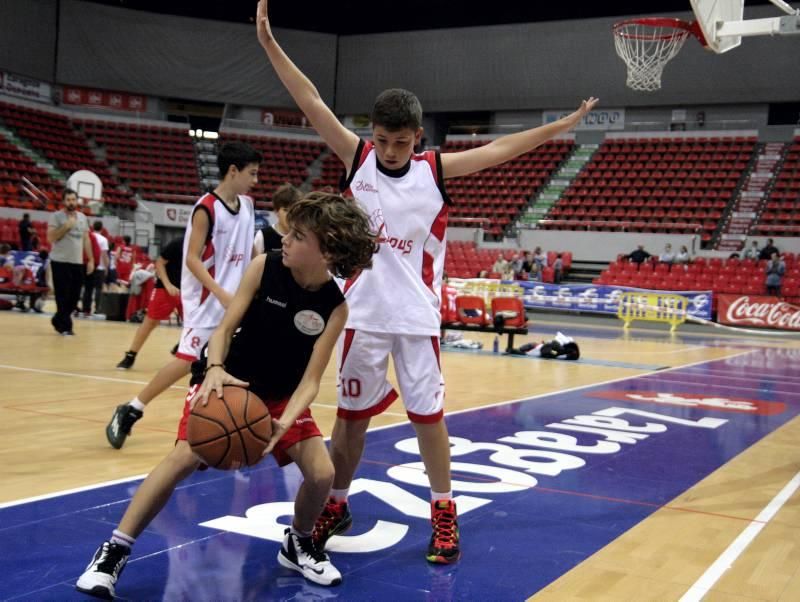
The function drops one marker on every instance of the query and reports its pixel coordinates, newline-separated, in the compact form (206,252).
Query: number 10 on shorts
(351,387)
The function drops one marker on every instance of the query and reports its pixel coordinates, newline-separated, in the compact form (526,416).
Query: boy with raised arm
(394,308)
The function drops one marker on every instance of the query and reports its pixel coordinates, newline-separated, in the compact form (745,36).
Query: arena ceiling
(374,16)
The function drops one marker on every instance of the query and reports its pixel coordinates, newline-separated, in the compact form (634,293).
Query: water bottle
(496,344)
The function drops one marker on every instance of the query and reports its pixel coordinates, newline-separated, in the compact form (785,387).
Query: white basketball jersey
(226,255)
(408,209)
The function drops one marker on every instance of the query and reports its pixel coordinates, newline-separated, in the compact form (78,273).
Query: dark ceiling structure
(347,17)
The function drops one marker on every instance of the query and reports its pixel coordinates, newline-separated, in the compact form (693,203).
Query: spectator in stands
(483,274)
(667,256)
(558,269)
(539,261)
(527,264)
(93,285)
(268,240)
(508,273)
(775,271)
(752,252)
(639,255)
(26,232)
(516,266)
(683,256)
(768,251)
(500,265)
(69,234)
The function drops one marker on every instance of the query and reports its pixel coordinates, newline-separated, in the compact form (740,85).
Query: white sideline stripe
(142,382)
(378,428)
(729,556)
(46,496)
(78,375)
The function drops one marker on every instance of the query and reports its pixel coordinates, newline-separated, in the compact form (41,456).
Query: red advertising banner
(758,312)
(119,101)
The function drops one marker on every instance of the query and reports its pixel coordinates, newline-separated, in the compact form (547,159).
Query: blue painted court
(543,483)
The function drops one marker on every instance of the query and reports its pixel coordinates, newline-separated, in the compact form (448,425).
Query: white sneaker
(101,575)
(300,554)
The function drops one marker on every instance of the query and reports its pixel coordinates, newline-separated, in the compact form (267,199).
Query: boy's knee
(182,457)
(326,474)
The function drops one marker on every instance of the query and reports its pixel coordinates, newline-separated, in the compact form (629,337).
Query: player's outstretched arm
(507,147)
(342,141)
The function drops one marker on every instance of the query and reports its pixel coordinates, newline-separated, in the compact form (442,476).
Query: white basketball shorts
(363,361)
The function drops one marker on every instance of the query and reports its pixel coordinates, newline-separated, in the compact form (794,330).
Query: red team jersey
(124,262)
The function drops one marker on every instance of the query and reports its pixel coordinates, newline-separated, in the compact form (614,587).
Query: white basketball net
(646,49)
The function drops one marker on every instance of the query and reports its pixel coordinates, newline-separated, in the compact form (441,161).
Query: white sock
(295,531)
(339,495)
(122,539)
(435,497)
(136,404)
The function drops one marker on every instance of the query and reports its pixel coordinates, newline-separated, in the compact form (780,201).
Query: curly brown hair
(342,228)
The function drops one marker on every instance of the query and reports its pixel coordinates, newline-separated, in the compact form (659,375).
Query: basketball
(231,432)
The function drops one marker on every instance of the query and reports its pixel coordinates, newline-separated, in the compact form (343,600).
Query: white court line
(388,426)
(729,556)
(47,496)
(78,375)
(143,382)
(653,377)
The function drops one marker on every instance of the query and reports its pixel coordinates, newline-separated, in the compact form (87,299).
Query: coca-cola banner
(119,101)
(758,312)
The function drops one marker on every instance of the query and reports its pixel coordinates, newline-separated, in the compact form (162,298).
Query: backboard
(710,13)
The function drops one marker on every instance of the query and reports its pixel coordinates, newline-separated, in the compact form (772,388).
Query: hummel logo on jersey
(274,302)
(362,186)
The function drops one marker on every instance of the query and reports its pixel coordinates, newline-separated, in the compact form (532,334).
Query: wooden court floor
(59,392)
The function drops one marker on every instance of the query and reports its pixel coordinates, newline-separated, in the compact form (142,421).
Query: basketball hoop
(647,44)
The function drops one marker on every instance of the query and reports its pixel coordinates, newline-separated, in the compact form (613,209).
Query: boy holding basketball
(394,308)
(217,249)
(289,313)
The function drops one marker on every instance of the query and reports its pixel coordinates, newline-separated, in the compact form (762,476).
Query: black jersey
(272,240)
(274,344)
(173,254)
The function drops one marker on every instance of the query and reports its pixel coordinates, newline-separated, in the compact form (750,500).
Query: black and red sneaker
(335,519)
(444,548)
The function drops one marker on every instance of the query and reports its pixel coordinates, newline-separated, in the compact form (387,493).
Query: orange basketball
(232,431)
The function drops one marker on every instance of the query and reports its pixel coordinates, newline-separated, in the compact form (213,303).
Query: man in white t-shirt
(218,246)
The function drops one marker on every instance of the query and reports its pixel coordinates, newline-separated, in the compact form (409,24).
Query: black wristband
(215,366)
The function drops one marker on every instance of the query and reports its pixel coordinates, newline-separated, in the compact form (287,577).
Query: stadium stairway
(752,196)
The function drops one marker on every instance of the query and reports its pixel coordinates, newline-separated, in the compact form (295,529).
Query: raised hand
(262,24)
(586,106)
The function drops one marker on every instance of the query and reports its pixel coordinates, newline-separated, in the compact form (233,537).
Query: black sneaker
(301,555)
(101,575)
(127,361)
(121,423)
(335,519)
